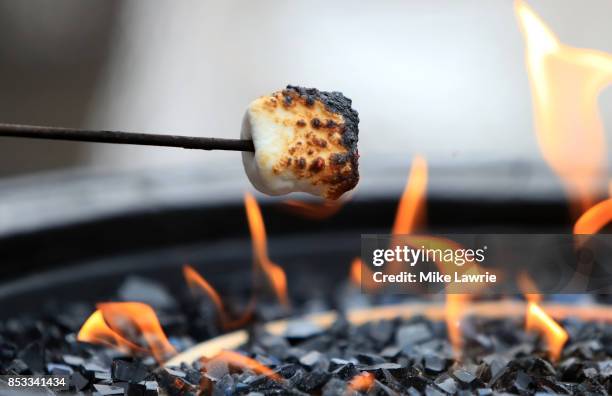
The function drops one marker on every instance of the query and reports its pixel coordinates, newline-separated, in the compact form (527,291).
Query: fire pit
(130,349)
(126,323)
(147,292)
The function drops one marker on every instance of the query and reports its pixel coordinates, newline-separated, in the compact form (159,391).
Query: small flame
(356,266)
(455,309)
(538,320)
(553,333)
(528,287)
(411,208)
(357,269)
(314,211)
(274,273)
(197,283)
(360,383)
(96,331)
(111,323)
(243,362)
(594,219)
(456,304)
(565,83)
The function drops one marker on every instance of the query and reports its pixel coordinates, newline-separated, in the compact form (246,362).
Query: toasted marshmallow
(305,141)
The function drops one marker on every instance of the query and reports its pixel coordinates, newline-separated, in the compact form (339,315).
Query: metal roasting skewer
(118,137)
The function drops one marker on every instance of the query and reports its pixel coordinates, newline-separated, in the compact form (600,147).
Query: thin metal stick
(118,137)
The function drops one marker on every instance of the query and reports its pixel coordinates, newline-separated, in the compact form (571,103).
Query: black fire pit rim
(34,202)
(234,252)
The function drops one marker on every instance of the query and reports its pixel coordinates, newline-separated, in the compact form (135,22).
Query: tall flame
(114,324)
(565,83)
(410,212)
(274,273)
(411,207)
(554,335)
(196,282)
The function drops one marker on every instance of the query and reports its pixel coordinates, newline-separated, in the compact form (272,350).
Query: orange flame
(411,208)
(244,362)
(554,335)
(96,331)
(455,309)
(197,283)
(360,383)
(528,287)
(594,219)
(111,323)
(314,211)
(357,269)
(538,320)
(565,83)
(410,212)
(274,273)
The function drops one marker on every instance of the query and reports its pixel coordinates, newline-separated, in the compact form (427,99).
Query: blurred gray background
(445,79)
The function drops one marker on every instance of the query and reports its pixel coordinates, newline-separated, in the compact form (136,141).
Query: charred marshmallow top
(305,140)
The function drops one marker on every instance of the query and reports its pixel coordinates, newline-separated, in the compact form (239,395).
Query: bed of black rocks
(413,357)
(404,357)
